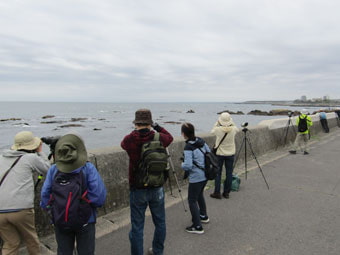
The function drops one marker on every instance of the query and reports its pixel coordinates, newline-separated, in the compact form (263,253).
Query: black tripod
(244,143)
(288,125)
(176,179)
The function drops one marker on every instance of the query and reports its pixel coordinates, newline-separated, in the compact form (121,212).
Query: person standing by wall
(304,122)
(323,121)
(143,196)
(17,192)
(193,163)
(72,191)
(225,131)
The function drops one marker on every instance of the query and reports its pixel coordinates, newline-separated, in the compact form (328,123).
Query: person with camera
(72,191)
(17,192)
(142,194)
(225,131)
(193,163)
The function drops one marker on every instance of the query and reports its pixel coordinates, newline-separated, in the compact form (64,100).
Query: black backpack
(153,167)
(302,127)
(70,208)
(211,168)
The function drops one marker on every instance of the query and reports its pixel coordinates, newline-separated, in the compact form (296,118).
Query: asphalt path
(299,214)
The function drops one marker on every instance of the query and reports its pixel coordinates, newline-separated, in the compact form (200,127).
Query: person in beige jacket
(225,131)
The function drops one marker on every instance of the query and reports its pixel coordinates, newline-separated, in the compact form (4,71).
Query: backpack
(302,127)
(235,183)
(153,167)
(70,207)
(211,168)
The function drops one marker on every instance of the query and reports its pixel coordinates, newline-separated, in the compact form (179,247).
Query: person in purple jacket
(71,163)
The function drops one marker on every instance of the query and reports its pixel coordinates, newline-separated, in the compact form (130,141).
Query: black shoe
(195,230)
(305,153)
(216,195)
(225,195)
(292,152)
(204,219)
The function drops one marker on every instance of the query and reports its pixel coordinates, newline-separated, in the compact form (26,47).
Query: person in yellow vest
(303,122)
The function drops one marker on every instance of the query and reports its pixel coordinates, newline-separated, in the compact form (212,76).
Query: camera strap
(7,172)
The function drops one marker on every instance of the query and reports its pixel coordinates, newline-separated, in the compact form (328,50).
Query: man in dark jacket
(141,197)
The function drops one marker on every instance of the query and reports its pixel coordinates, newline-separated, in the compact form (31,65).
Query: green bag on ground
(235,183)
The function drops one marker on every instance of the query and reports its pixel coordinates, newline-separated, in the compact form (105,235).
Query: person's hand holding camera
(156,127)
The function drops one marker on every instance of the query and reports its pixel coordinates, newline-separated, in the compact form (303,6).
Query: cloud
(169,50)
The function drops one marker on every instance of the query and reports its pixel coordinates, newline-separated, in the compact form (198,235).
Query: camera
(51,141)
(290,114)
(244,124)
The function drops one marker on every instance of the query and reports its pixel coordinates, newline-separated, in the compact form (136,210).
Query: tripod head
(244,125)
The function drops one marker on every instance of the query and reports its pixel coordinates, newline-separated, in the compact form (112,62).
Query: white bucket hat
(225,119)
(25,140)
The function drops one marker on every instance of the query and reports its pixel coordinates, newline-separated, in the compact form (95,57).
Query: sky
(168,51)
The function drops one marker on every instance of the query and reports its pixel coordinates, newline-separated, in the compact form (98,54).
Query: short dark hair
(188,130)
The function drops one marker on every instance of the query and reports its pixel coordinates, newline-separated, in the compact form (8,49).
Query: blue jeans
(85,238)
(228,161)
(140,199)
(196,202)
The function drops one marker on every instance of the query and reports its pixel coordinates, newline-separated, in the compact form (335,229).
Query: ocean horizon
(105,124)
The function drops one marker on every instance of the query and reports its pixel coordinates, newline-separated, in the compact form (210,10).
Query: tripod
(244,143)
(286,130)
(176,179)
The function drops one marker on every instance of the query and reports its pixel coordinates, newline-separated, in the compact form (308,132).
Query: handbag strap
(14,163)
(221,141)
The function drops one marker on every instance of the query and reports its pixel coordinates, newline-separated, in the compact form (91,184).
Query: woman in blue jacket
(194,150)
(73,170)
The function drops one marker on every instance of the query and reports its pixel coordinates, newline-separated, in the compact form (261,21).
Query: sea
(105,124)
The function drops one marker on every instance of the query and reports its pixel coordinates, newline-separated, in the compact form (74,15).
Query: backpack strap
(156,137)
(196,163)
(7,172)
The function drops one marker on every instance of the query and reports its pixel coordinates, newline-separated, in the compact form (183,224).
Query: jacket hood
(143,135)
(198,143)
(12,153)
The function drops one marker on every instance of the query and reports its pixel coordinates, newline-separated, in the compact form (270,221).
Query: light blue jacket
(193,154)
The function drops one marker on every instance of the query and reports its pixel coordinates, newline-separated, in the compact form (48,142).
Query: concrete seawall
(112,162)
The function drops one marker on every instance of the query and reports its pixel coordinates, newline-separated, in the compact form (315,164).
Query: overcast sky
(173,50)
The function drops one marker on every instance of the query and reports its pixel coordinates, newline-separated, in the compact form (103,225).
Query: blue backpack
(70,207)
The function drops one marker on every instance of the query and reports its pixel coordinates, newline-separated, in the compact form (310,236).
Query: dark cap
(143,116)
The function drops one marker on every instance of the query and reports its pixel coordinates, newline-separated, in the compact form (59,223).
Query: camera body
(244,124)
(51,141)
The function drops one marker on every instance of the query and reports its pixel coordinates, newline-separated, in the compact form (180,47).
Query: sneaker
(305,153)
(292,152)
(204,219)
(195,230)
(216,195)
(225,195)
(150,251)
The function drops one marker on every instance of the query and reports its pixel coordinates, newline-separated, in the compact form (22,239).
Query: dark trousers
(85,238)
(196,202)
(228,162)
(324,124)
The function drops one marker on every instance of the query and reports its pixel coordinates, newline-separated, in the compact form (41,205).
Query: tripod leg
(176,179)
(251,149)
(238,154)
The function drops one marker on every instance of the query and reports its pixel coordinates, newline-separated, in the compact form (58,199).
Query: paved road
(299,214)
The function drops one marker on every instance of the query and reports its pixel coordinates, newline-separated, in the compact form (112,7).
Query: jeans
(140,199)
(196,202)
(228,161)
(85,238)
